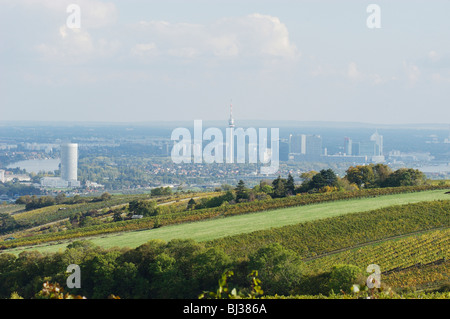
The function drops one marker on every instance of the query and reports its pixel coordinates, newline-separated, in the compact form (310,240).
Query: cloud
(56,42)
(76,46)
(353,72)
(145,50)
(254,35)
(412,72)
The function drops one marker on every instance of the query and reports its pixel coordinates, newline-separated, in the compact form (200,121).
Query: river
(36,165)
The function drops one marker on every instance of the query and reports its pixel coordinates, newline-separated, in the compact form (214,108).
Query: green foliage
(313,182)
(405,177)
(290,185)
(38,202)
(361,175)
(7,223)
(343,277)
(183,268)
(241,191)
(159,191)
(14,188)
(216,201)
(143,207)
(281,269)
(191,204)
(279,187)
(380,175)
(105,196)
(224,291)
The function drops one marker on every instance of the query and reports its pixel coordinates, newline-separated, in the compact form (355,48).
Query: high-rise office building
(378,140)
(348,146)
(69,161)
(313,145)
(368,148)
(355,148)
(297,144)
(69,168)
(304,146)
(284,150)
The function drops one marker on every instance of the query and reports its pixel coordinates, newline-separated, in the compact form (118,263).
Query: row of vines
(249,207)
(323,236)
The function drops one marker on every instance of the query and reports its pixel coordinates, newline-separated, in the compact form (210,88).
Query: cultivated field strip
(393,254)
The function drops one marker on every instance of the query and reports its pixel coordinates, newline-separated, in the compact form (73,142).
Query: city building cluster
(304,147)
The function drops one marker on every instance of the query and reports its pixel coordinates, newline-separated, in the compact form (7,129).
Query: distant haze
(149,61)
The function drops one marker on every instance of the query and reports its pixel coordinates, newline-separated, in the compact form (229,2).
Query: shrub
(342,278)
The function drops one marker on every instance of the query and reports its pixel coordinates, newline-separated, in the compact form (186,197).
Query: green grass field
(221,227)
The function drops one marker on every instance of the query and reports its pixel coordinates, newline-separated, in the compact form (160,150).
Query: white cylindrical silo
(69,161)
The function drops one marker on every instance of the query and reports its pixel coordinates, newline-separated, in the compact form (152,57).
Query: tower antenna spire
(231,120)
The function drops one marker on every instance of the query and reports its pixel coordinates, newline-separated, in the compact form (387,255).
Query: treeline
(325,181)
(360,176)
(380,175)
(185,269)
(179,269)
(15,188)
(34,202)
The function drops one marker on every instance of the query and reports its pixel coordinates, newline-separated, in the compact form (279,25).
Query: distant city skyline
(150,61)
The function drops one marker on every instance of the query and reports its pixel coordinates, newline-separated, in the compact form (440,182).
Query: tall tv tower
(231,120)
(230,137)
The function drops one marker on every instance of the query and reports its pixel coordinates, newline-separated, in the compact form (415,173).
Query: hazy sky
(136,60)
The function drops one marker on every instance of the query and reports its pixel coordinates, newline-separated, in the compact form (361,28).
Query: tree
(264,187)
(279,187)
(60,198)
(381,173)
(143,207)
(361,175)
(7,222)
(241,191)
(307,176)
(161,191)
(23,200)
(77,219)
(191,204)
(226,187)
(290,185)
(280,269)
(343,277)
(405,177)
(324,178)
(306,181)
(117,216)
(105,196)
